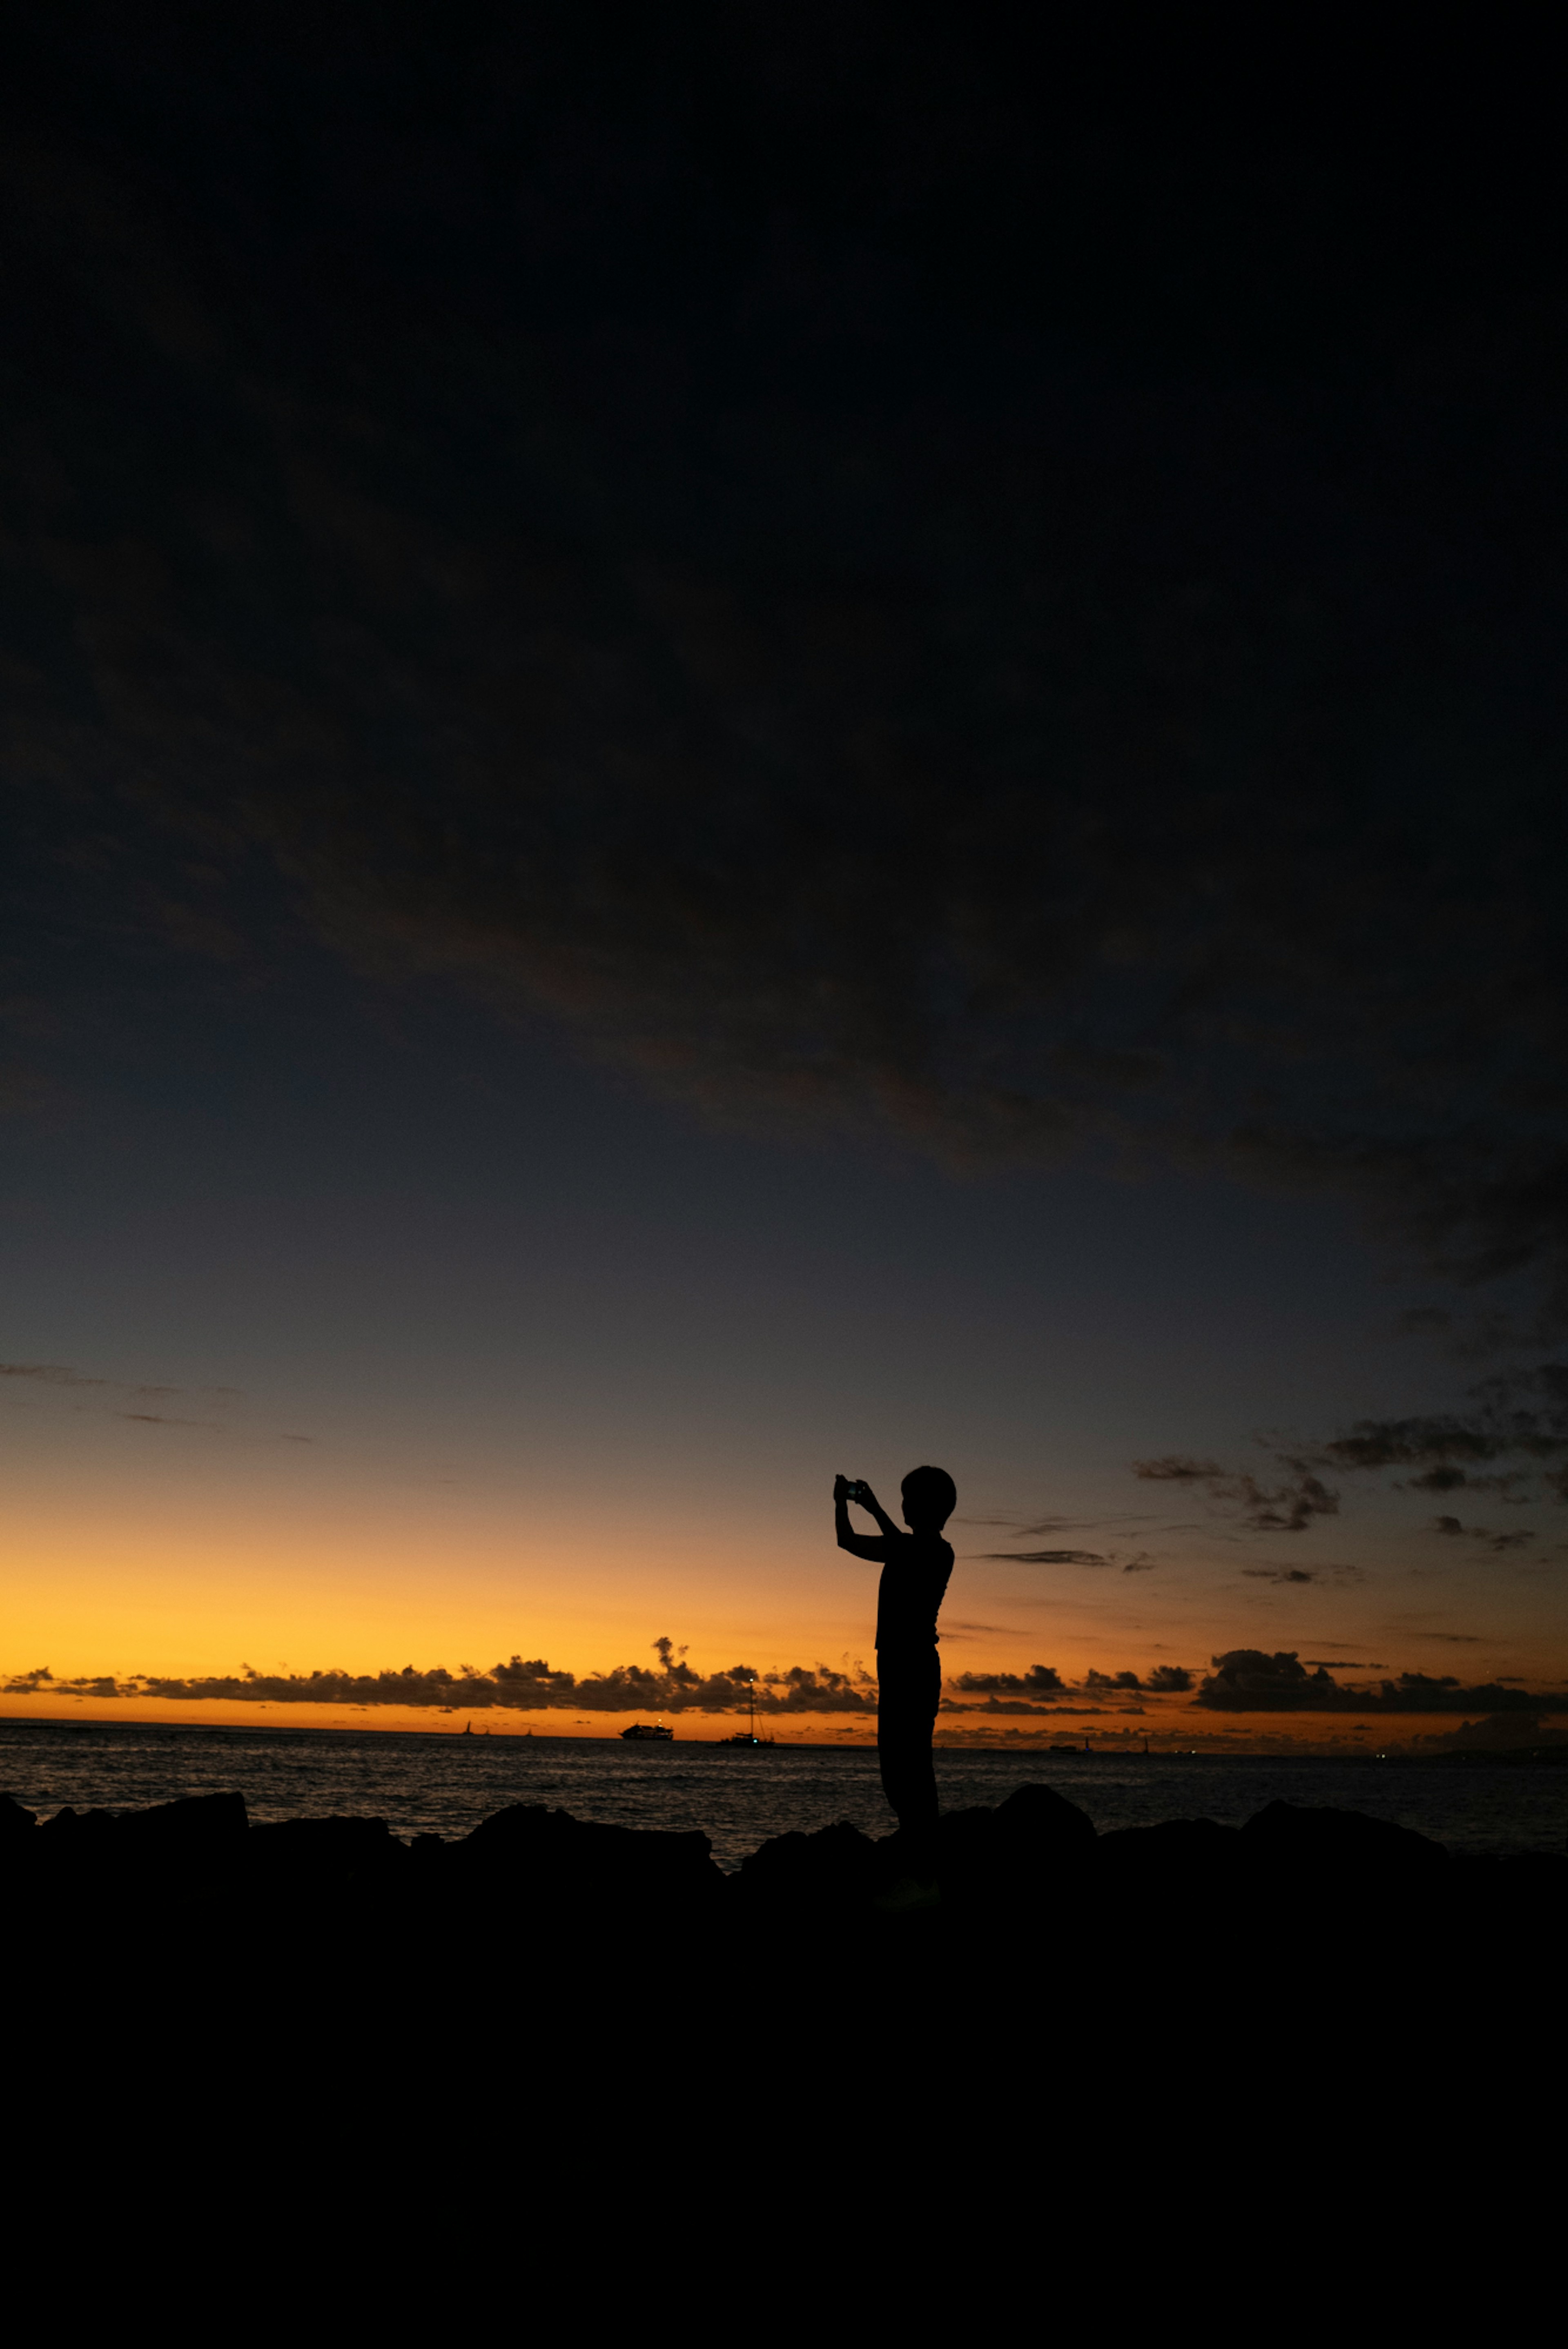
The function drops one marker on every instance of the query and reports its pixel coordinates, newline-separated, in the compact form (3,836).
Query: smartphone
(855,1491)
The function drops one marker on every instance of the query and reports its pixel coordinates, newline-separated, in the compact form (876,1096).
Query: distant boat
(748,1736)
(648,1732)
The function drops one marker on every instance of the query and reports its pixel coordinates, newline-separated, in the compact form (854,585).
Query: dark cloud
(1521,1413)
(1010,1706)
(162,1419)
(1485,1535)
(1008,1689)
(1246,1680)
(1503,1730)
(670,1686)
(1014,1706)
(1439,1480)
(1339,1575)
(1137,1562)
(674,1686)
(1038,1680)
(1511,1484)
(818,1690)
(1048,1556)
(62,1374)
(1123,1520)
(942,593)
(1177,1468)
(1290,1508)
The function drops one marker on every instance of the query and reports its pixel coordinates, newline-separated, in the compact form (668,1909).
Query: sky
(809,740)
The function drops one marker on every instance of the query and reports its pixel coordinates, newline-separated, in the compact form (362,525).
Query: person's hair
(930,1494)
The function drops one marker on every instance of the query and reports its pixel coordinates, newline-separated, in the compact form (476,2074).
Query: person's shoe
(908,1893)
(906,1866)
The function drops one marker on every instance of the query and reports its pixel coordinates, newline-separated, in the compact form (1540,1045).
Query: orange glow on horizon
(1167,1734)
(193,1584)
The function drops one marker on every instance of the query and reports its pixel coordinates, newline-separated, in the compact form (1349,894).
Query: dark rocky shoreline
(1032,1853)
(351,2004)
(321,1977)
(544,1963)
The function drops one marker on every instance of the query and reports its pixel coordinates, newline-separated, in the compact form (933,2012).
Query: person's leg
(908,1697)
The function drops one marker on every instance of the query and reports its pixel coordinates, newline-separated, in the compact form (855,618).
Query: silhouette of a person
(915,1570)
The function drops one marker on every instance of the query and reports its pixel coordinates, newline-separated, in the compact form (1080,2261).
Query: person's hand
(841,1488)
(867,1498)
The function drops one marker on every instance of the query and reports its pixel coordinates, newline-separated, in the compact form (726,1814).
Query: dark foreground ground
(181,1926)
(575,2068)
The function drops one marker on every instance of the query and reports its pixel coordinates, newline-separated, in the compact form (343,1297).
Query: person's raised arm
(871,1546)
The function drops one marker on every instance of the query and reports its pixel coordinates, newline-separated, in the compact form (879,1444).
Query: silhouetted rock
(332,1853)
(189,1833)
(835,1866)
(1286,1835)
(1037,1826)
(980,1873)
(336,1834)
(81,1831)
(323,1837)
(198,1824)
(1017,1856)
(528,1849)
(1506,1885)
(965,1851)
(1175,1851)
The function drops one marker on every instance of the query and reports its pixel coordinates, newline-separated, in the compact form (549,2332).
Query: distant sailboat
(748,1736)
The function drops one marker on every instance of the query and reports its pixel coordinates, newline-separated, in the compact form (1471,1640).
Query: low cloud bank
(1040,1680)
(1245,1679)
(520,1686)
(1512,1732)
(531,1685)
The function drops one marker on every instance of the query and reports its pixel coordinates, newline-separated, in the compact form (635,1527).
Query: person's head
(931,1497)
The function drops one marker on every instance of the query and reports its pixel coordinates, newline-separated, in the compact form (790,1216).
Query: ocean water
(444,1784)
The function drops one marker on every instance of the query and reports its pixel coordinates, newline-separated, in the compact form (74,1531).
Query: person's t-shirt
(915,1570)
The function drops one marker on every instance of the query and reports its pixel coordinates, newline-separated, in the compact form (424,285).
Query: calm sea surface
(445,1785)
